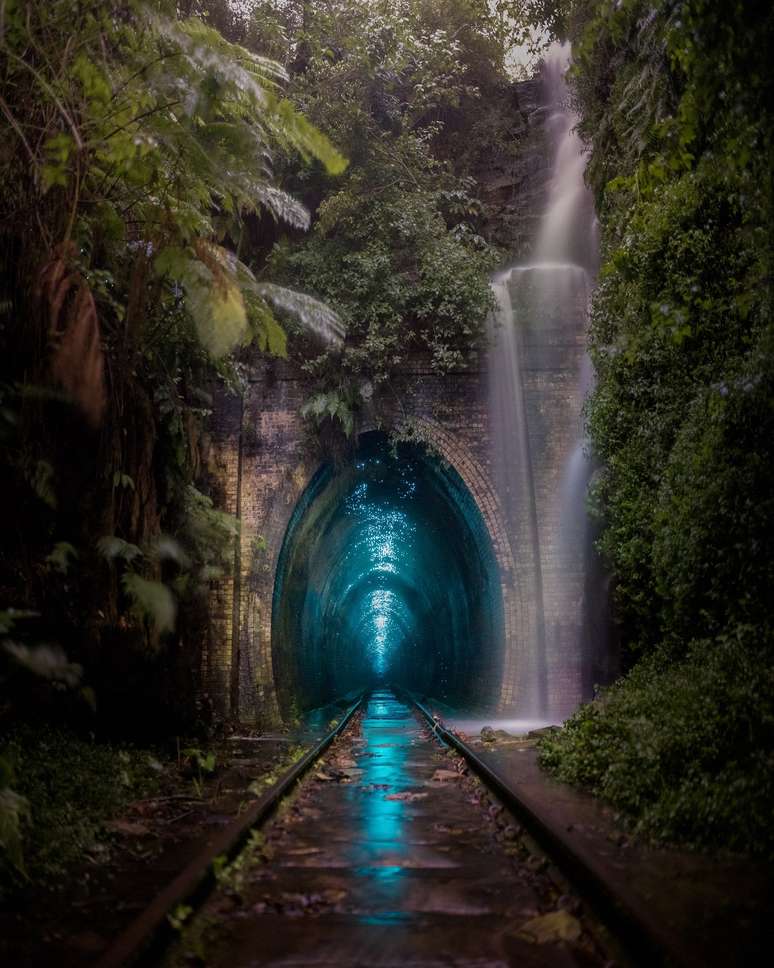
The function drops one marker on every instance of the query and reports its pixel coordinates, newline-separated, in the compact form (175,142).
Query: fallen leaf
(333,895)
(407,795)
(446,829)
(548,928)
(128,828)
(441,776)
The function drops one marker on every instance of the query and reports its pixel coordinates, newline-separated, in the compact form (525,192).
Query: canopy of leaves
(397,245)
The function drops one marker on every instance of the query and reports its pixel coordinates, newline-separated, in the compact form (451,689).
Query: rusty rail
(640,942)
(151,929)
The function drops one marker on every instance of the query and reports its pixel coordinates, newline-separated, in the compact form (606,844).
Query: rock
(535,863)
(550,928)
(569,903)
(543,731)
(488,735)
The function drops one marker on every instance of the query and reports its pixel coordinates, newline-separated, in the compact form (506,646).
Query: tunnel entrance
(387,576)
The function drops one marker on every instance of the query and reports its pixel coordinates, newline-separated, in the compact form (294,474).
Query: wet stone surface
(389,854)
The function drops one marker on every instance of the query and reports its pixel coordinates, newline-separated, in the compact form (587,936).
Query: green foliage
(203,760)
(676,104)
(332,405)
(396,246)
(179,916)
(683,748)
(62,556)
(203,763)
(112,547)
(681,327)
(164,124)
(209,533)
(140,158)
(152,600)
(14,810)
(46,661)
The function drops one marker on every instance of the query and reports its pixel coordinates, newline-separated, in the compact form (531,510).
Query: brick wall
(263,461)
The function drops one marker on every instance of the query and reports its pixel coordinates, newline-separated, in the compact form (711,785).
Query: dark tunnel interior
(387,576)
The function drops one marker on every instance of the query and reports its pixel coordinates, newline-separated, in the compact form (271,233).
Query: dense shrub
(684,748)
(70,786)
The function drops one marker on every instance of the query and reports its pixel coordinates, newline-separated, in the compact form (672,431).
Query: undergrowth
(682,749)
(71,786)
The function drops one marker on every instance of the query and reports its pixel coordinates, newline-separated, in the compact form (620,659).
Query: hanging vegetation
(676,100)
(138,144)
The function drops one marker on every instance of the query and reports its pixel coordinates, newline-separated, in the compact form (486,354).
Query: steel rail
(640,943)
(151,929)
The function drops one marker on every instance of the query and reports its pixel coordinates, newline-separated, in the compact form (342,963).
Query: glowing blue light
(386,576)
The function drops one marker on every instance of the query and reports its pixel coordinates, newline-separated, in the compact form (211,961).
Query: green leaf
(179,916)
(123,480)
(46,661)
(152,600)
(220,317)
(60,558)
(308,140)
(111,547)
(166,548)
(10,616)
(270,337)
(313,315)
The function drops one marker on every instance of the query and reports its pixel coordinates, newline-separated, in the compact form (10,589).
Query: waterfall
(539,375)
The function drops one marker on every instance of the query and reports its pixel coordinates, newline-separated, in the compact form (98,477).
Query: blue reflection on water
(383,824)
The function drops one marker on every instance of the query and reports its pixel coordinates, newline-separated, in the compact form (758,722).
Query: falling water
(539,374)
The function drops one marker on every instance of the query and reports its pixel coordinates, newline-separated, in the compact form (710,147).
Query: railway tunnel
(387,575)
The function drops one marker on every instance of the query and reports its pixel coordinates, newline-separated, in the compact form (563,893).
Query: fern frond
(312,314)
(111,547)
(282,206)
(152,600)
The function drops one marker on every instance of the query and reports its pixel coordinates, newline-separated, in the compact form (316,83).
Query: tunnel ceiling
(386,575)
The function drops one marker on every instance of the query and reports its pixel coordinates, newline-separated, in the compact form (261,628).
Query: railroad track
(390,843)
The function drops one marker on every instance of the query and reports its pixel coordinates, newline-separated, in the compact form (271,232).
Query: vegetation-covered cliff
(676,100)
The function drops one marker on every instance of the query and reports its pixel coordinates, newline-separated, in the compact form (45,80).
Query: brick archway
(264,460)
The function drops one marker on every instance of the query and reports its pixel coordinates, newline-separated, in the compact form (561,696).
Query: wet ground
(70,921)
(705,910)
(390,854)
